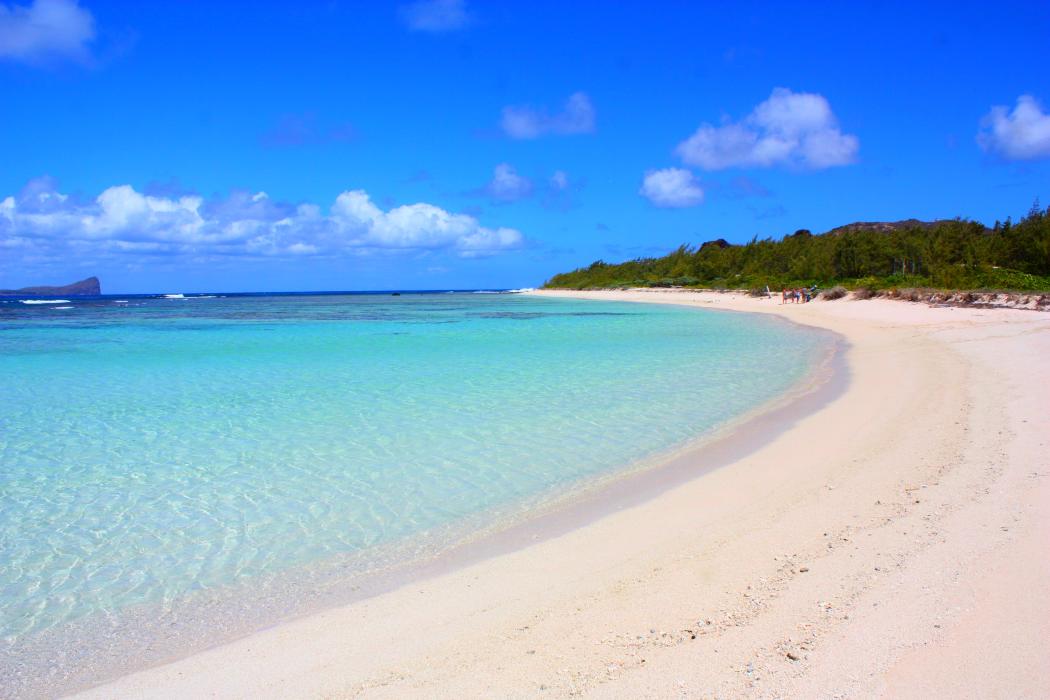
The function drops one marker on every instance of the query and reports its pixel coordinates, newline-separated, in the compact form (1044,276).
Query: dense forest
(951,254)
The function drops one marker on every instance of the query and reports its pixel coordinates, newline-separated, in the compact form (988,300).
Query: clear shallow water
(151,449)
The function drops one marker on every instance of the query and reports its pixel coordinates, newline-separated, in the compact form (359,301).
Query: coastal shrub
(947,254)
(870,282)
(863,293)
(836,292)
(909,294)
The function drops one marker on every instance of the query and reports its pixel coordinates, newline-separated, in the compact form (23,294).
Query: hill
(887,226)
(86,287)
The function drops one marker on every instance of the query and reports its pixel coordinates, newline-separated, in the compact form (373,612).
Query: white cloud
(306,130)
(561,191)
(576,117)
(122,220)
(559,181)
(436,15)
(45,29)
(671,187)
(414,227)
(1023,134)
(507,186)
(796,129)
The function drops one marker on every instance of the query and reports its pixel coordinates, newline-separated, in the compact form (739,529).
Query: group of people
(795,296)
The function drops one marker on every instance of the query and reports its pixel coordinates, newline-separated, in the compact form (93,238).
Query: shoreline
(582,504)
(614,604)
(92,662)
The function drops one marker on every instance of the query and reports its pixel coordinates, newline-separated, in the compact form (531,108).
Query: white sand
(895,542)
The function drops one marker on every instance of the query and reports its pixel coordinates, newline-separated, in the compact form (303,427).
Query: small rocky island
(88,287)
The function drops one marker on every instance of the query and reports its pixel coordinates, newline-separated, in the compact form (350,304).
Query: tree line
(953,254)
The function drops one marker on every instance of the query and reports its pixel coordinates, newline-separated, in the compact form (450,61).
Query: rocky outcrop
(1035,301)
(885,226)
(88,287)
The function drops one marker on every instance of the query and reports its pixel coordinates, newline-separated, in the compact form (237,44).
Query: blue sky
(445,144)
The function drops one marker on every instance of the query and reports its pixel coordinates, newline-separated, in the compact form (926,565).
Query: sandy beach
(889,543)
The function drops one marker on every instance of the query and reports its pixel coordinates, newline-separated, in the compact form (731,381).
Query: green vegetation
(955,254)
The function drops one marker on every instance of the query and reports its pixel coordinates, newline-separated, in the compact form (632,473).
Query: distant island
(87,287)
(952,254)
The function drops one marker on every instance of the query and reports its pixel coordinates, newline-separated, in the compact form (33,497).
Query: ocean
(170,463)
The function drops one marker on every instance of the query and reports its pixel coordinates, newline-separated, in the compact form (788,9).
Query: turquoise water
(153,449)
